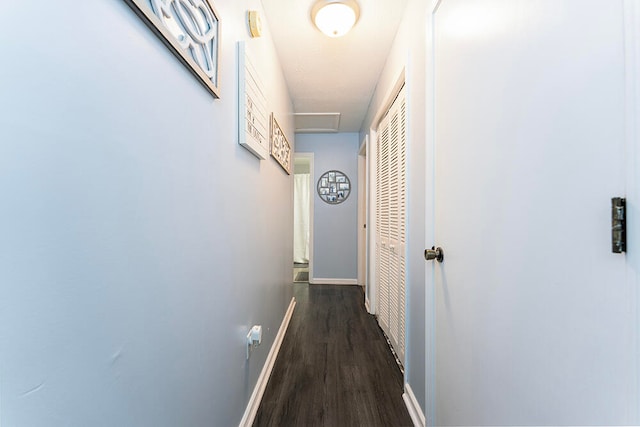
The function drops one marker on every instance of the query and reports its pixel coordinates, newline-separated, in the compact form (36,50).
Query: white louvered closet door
(390,221)
(382,225)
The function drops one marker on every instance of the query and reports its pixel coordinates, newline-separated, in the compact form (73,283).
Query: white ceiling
(333,75)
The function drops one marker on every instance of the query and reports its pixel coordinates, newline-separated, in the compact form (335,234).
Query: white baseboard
(321,281)
(417,416)
(366,305)
(256,397)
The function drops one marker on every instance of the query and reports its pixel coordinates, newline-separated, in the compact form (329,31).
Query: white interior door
(535,322)
(362,215)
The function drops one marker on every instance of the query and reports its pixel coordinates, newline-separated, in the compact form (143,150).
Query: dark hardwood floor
(334,367)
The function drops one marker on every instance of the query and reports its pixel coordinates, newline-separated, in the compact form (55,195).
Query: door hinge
(618,225)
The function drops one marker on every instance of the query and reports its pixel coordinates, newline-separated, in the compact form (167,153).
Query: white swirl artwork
(280,147)
(194,25)
(191,31)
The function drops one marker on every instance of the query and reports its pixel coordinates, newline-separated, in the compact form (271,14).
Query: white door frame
(363,205)
(632,123)
(309,158)
(372,288)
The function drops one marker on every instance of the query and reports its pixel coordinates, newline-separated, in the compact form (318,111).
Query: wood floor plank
(334,368)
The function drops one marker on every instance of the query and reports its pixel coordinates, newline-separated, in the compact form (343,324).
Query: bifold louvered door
(390,222)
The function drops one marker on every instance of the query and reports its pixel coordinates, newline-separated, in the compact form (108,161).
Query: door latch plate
(618,225)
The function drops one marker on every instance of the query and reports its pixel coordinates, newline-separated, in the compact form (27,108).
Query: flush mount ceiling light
(335,17)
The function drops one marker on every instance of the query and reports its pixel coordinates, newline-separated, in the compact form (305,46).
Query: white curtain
(301,217)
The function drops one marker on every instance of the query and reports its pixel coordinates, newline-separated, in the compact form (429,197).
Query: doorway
(303,217)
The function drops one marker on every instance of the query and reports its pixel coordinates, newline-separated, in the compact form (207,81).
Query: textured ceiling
(333,75)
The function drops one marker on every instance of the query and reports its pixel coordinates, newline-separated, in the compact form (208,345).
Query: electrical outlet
(254,338)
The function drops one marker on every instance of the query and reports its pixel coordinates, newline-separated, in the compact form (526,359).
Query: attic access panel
(317,122)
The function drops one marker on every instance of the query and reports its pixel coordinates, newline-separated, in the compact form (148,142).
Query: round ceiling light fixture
(335,17)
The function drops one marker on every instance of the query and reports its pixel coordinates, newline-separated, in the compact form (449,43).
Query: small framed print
(334,187)
(191,31)
(280,147)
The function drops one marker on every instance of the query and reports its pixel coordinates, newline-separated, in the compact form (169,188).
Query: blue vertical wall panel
(139,242)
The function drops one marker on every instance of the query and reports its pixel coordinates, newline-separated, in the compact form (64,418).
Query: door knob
(434,253)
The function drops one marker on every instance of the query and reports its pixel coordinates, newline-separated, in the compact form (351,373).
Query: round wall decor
(334,187)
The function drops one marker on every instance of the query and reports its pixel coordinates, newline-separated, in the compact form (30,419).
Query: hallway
(335,367)
(148,213)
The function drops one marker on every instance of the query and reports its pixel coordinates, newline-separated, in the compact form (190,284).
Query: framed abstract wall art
(191,31)
(280,147)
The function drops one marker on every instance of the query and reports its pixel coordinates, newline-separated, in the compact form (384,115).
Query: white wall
(139,241)
(408,55)
(335,232)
